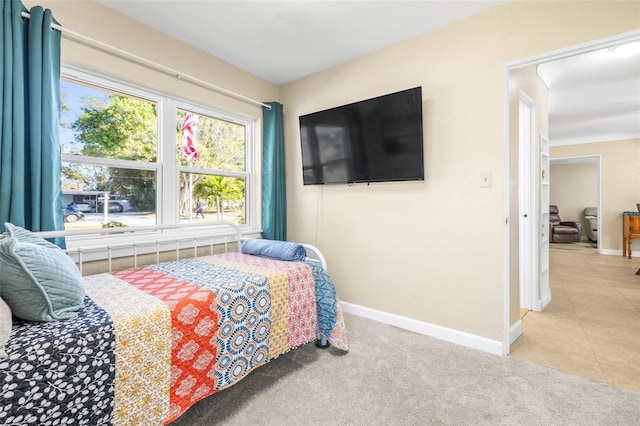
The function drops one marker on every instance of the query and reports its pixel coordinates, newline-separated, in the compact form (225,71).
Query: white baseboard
(439,332)
(515,331)
(612,252)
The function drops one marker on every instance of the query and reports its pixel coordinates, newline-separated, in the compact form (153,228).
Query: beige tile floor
(592,326)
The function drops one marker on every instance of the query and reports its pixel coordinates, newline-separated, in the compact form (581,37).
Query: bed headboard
(315,255)
(108,244)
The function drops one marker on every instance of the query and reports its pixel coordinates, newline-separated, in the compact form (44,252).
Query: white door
(544,291)
(535,293)
(528,245)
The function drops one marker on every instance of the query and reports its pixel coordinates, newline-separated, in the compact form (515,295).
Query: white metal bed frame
(157,239)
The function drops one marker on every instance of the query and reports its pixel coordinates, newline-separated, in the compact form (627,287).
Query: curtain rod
(150,64)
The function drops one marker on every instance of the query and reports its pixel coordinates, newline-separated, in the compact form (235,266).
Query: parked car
(80,207)
(84,207)
(114,207)
(71,216)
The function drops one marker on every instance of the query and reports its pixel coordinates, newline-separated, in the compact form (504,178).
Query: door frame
(511,332)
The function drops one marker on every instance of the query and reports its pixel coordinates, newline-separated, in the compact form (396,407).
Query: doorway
(578,185)
(514,187)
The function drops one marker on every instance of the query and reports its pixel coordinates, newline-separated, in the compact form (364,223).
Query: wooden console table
(630,230)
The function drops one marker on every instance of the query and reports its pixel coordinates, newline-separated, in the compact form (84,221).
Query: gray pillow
(5,327)
(25,236)
(38,280)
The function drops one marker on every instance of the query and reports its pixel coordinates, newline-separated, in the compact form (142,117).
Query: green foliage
(141,192)
(63,102)
(119,127)
(122,127)
(73,173)
(217,189)
(113,224)
(138,186)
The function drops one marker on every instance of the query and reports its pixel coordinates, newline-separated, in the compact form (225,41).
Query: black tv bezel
(416,178)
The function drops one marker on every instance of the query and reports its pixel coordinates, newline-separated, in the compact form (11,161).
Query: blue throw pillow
(280,250)
(38,280)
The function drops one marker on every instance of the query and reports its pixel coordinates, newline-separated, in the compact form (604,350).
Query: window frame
(166,166)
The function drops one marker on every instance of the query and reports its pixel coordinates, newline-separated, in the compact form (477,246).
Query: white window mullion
(169,190)
(217,172)
(109,162)
(253,168)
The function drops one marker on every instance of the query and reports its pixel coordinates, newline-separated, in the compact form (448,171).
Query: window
(119,168)
(221,198)
(109,145)
(211,154)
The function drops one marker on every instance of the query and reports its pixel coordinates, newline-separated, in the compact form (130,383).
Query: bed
(143,344)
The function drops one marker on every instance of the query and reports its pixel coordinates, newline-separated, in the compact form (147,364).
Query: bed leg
(322,343)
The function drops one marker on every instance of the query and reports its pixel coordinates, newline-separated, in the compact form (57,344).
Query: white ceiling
(281,41)
(591,95)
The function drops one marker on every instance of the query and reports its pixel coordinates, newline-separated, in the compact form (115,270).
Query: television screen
(374,140)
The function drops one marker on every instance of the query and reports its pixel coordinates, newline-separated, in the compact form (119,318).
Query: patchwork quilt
(150,342)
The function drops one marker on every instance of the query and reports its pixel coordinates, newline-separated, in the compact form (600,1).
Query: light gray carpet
(396,377)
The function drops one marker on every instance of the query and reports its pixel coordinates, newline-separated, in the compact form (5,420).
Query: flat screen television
(375,140)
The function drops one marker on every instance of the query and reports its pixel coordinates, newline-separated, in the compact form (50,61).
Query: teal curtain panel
(30,178)
(274,194)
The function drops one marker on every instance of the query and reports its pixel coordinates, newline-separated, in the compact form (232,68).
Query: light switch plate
(485,180)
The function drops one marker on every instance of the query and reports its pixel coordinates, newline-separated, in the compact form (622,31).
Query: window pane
(221,198)
(100,123)
(219,144)
(131,196)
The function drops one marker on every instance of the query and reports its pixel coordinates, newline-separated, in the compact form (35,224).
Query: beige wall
(620,174)
(434,250)
(574,186)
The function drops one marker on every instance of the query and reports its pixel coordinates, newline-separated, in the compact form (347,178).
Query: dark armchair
(591,223)
(563,232)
